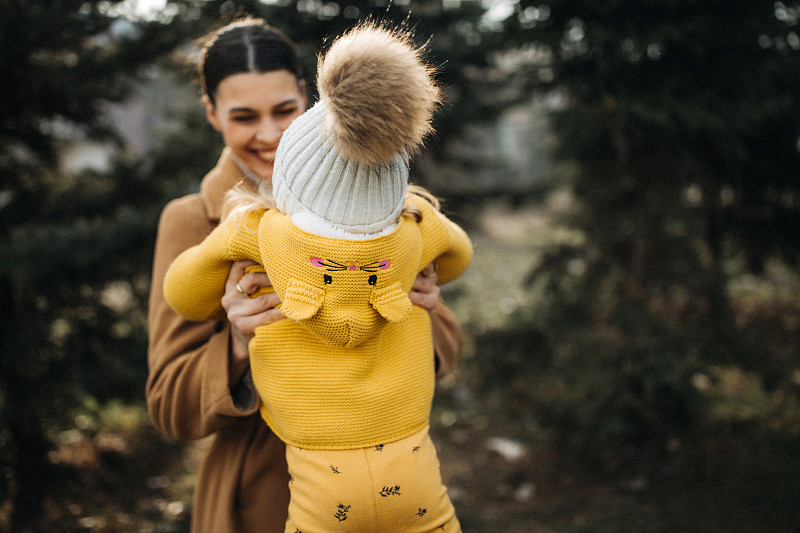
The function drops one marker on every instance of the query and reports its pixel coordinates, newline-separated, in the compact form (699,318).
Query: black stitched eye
(328,280)
(373,280)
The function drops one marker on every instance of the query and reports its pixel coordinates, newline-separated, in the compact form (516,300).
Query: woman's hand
(425,292)
(246,313)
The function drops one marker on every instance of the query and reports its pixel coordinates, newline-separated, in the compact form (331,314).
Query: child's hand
(245,313)
(425,292)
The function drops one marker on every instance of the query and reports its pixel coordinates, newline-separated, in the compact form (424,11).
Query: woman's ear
(211,112)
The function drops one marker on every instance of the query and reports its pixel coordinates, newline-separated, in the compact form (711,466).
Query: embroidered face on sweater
(344,291)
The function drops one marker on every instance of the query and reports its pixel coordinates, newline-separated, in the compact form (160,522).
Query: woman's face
(252,111)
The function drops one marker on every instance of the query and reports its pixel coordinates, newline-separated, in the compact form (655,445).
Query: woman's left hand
(425,292)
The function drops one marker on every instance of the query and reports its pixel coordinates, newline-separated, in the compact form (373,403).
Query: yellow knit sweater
(352,365)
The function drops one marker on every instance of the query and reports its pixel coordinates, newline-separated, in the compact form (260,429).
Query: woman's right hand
(246,313)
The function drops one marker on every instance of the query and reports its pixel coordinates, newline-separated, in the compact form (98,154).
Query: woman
(199,381)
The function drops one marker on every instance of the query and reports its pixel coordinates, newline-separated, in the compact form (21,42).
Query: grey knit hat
(312,175)
(345,160)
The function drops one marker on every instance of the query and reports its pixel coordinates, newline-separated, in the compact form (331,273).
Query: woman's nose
(269,131)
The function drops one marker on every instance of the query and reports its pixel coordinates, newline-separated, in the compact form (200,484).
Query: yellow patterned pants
(392,488)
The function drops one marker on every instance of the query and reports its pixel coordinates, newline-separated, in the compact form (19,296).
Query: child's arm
(195,282)
(444,242)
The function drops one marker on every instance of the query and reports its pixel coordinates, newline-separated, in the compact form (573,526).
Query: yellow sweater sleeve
(195,282)
(444,242)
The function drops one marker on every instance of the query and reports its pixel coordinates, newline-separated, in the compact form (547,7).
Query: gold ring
(239,288)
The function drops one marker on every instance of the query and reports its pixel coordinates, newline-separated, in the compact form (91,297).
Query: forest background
(629,172)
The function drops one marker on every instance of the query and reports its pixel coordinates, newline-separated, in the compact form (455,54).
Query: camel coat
(243,480)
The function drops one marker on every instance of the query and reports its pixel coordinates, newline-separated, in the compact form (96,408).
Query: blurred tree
(683,117)
(74,248)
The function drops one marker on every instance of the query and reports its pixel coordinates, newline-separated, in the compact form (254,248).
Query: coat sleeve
(188,389)
(447,339)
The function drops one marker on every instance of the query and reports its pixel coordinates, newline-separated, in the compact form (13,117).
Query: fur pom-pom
(380,94)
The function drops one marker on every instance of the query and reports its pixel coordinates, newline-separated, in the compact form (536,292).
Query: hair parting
(245,45)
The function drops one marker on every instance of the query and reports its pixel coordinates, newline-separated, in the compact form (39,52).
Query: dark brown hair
(245,45)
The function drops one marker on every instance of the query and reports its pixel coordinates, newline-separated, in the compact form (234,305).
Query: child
(347,381)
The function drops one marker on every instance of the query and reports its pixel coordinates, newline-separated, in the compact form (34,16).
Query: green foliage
(683,121)
(664,96)
(74,249)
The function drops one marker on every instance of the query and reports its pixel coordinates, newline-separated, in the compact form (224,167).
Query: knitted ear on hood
(380,94)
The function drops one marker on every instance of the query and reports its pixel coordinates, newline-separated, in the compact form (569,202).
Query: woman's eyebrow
(288,101)
(245,109)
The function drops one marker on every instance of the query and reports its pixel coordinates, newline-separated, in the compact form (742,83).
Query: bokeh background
(628,170)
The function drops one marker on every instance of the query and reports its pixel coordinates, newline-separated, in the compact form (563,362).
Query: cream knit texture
(352,366)
(311,175)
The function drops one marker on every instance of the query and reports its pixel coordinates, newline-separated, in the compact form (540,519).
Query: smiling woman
(251,111)
(252,91)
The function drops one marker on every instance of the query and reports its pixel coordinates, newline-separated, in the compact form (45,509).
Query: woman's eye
(243,118)
(373,280)
(286,111)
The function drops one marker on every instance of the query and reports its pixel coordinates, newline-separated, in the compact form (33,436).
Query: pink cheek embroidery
(331,265)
